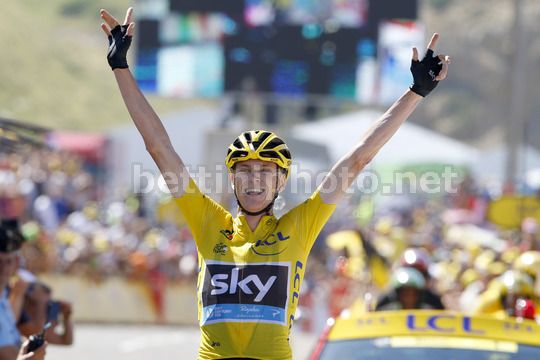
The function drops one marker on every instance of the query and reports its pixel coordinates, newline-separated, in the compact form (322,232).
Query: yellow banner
(434,323)
(509,211)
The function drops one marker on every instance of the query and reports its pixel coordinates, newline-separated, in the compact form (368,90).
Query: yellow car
(427,335)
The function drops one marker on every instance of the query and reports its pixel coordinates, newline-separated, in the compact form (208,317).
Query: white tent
(412,144)
(187,130)
(493,163)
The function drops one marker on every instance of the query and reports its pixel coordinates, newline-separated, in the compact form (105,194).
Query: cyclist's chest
(236,244)
(251,276)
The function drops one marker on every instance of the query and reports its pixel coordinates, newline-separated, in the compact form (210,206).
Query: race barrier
(117,300)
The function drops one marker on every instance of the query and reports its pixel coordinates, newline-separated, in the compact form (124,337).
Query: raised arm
(426,73)
(155,137)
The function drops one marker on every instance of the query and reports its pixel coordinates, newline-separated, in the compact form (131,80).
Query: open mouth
(254,191)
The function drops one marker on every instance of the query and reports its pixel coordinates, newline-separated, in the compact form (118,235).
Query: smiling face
(256,183)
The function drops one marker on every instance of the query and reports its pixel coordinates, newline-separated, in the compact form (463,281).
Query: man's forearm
(350,165)
(144,117)
(384,129)
(426,75)
(67,336)
(65,339)
(156,139)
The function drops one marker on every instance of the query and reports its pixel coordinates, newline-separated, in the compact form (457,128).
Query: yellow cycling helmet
(468,277)
(496,268)
(529,262)
(517,283)
(510,255)
(259,145)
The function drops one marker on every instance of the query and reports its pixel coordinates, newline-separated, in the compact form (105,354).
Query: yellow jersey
(249,281)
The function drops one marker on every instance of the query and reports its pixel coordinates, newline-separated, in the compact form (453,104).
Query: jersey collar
(265,227)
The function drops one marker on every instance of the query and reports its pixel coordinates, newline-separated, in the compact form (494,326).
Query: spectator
(39,309)
(407,291)
(417,259)
(10,340)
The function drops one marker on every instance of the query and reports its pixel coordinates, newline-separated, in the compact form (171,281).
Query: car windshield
(428,348)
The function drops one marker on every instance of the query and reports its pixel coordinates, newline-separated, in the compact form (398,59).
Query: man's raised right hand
(119,38)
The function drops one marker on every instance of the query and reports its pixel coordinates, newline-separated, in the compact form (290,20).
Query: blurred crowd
(58,203)
(431,253)
(55,219)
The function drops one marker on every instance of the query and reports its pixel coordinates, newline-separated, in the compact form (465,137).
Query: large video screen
(203,48)
(287,61)
(348,13)
(181,54)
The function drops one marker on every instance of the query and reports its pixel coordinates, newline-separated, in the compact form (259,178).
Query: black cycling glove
(424,73)
(119,44)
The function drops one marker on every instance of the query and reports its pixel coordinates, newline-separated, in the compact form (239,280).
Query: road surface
(119,342)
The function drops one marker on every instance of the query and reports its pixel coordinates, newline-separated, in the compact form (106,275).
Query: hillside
(473,103)
(54,71)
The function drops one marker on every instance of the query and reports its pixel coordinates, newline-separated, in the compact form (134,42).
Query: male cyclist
(252,265)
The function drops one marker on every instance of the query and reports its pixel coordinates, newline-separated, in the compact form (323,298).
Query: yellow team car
(427,335)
